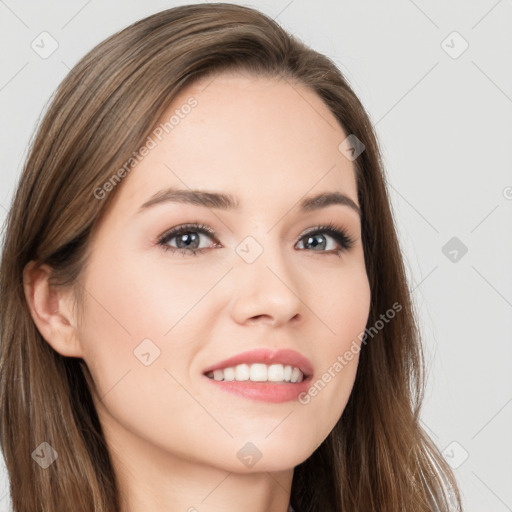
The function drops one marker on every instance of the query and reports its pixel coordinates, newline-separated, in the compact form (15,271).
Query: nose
(267,291)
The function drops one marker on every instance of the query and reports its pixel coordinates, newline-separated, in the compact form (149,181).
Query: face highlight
(239,230)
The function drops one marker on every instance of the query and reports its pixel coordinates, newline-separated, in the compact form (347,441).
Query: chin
(279,453)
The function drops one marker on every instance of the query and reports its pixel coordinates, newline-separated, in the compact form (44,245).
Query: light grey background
(444,121)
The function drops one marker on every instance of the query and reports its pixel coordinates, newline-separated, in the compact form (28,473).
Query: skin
(174,437)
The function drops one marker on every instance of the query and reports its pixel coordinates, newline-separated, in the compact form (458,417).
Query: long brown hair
(377,457)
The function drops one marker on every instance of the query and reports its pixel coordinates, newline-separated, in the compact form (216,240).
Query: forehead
(264,140)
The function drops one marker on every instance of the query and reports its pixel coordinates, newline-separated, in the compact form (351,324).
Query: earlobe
(50,310)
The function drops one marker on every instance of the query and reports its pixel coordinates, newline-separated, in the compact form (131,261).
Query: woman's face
(159,315)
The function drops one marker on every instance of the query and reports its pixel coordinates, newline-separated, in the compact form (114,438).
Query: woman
(203,300)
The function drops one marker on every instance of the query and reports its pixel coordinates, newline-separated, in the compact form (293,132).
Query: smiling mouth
(258,372)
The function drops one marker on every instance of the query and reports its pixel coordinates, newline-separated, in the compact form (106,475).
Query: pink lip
(266,356)
(274,392)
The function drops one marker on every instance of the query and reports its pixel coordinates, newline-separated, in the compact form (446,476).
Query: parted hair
(377,457)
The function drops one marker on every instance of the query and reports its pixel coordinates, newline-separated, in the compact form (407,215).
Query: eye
(316,238)
(188,238)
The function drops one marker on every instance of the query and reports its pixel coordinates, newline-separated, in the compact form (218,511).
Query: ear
(51,310)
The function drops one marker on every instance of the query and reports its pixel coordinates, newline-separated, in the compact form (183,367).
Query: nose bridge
(265,283)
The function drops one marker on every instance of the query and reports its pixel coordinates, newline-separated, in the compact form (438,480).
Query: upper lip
(266,356)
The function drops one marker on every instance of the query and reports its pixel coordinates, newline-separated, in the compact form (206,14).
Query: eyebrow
(223,201)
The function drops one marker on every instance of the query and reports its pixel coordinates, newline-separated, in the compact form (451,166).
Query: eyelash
(340,236)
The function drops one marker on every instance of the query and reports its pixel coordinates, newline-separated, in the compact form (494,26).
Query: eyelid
(340,234)
(189,226)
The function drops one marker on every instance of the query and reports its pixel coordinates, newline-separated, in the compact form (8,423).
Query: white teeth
(275,373)
(242,372)
(258,372)
(229,374)
(296,375)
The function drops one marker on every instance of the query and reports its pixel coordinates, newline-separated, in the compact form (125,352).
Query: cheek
(131,300)
(125,320)
(341,302)
(344,312)
(136,368)
(144,322)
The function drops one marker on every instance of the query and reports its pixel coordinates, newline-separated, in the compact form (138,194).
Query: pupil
(186,240)
(311,240)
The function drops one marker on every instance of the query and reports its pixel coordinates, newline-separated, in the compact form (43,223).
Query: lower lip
(273,392)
